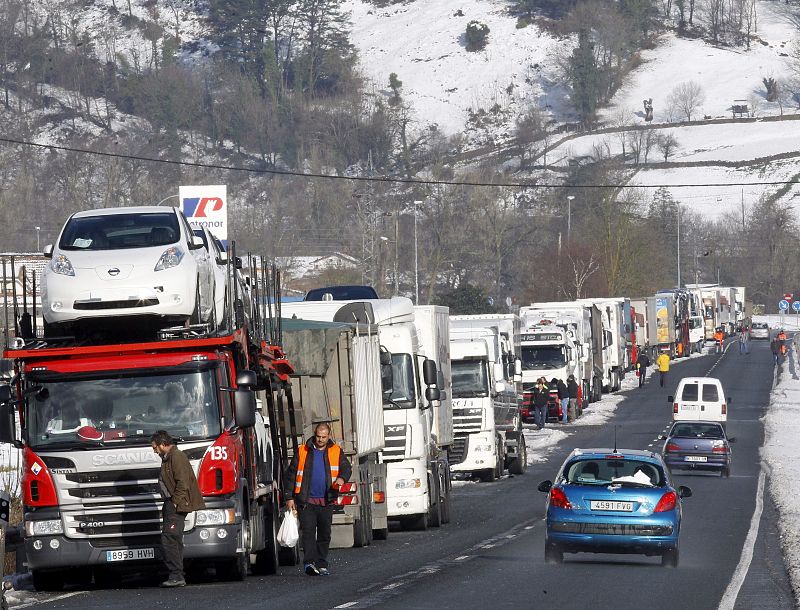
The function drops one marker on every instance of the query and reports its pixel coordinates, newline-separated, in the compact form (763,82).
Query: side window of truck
(690,392)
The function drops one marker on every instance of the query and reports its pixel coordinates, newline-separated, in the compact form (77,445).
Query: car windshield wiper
(631,484)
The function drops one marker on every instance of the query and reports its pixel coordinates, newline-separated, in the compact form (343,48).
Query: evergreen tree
(584,76)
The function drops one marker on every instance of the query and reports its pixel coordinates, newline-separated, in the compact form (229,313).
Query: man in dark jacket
(181,495)
(572,392)
(541,394)
(315,474)
(641,366)
(563,399)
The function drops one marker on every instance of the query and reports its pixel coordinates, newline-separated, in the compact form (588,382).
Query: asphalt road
(491,555)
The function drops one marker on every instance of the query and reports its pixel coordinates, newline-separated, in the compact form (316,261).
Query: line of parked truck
(415,396)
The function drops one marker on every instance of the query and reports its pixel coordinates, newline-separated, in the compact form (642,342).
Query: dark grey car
(698,445)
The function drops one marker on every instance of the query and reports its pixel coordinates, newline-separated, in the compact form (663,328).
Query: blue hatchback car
(613,501)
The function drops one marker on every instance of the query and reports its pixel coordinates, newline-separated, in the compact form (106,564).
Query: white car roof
(701,380)
(142,209)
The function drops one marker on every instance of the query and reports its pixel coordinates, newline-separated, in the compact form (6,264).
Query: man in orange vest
(316,472)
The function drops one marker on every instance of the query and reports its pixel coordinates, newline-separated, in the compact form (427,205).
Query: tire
(519,464)
(435,510)
(48,581)
(500,466)
(446,508)
(196,317)
(267,559)
(553,554)
(726,472)
(487,476)
(360,537)
(670,558)
(236,569)
(380,533)
(418,523)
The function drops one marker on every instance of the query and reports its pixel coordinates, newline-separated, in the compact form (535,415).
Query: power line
(387,179)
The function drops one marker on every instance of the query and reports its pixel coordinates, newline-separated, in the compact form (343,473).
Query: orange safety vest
(334,453)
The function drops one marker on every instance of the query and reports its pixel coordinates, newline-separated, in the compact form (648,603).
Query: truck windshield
(117,410)
(469,378)
(543,357)
(404,393)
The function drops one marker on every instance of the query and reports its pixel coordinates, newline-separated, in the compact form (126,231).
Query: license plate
(615,505)
(130,554)
(696,458)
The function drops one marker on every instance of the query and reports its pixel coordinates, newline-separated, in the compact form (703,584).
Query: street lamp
(679,245)
(569,216)
(37,237)
(165,198)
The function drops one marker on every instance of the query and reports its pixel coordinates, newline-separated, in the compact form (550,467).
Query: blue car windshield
(607,471)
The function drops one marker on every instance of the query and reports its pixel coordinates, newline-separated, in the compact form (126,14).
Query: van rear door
(689,405)
(713,400)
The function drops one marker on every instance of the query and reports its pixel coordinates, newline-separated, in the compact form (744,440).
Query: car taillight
(724,409)
(219,471)
(667,502)
(674,407)
(672,447)
(559,499)
(38,488)
(720,447)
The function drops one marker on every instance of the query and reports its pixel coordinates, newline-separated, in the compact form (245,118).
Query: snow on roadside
(781,431)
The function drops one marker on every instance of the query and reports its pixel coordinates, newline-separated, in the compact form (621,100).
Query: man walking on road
(744,343)
(572,392)
(563,398)
(541,395)
(775,346)
(663,367)
(181,495)
(641,366)
(315,474)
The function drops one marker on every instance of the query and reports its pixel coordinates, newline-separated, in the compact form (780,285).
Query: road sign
(796,306)
(783,305)
(788,297)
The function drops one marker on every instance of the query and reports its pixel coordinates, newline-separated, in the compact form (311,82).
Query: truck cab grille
(395,445)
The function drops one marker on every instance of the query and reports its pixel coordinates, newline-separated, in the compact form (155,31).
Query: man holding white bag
(315,474)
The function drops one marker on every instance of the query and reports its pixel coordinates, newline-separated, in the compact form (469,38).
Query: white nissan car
(135,261)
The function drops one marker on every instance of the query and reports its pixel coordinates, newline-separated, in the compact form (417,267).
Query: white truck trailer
(614,342)
(417,466)
(486,395)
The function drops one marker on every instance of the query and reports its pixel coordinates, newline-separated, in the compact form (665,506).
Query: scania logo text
(116,459)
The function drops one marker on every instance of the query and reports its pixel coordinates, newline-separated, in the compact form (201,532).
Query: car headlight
(44,528)
(62,265)
(482,448)
(170,258)
(407,484)
(215,516)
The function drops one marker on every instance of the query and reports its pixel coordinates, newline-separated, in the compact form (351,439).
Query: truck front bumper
(481,453)
(200,543)
(406,488)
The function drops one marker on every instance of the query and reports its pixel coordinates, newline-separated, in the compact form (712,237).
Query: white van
(699,398)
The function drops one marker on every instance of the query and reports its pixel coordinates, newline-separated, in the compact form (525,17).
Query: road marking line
(732,592)
(50,599)
(528,527)
(392,585)
(346,605)
(650,445)
(462,558)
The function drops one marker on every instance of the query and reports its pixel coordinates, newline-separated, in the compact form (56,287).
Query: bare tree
(583,268)
(686,99)
(667,145)
(750,20)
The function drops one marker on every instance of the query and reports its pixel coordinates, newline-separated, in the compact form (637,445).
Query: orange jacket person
(317,471)
(719,338)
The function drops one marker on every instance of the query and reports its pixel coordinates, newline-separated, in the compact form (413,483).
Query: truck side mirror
(432,396)
(5,394)
(499,373)
(670,399)
(429,372)
(244,402)
(386,357)
(8,428)
(246,379)
(517,370)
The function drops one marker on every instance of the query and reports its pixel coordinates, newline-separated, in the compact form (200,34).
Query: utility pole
(569,216)
(742,209)
(679,245)
(416,259)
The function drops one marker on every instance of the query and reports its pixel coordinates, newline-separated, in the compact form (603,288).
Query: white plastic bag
(289,533)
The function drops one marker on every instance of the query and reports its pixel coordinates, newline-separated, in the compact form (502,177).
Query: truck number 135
(219,453)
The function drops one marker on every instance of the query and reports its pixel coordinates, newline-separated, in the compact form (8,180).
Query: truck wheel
(501,462)
(381,533)
(48,581)
(519,464)
(359,534)
(236,569)
(446,508)
(418,522)
(487,476)
(435,510)
(267,558)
